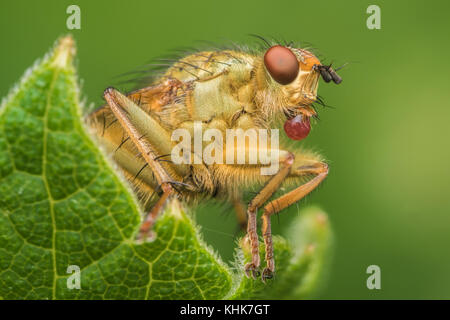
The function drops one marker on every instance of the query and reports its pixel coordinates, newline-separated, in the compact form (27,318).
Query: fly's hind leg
(320,172)
(131,119)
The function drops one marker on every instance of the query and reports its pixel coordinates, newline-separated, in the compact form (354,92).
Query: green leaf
(62,204)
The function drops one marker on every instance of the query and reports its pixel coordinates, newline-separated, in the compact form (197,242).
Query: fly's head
(293,75)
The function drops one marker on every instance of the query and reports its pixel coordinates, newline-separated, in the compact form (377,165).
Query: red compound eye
(298,127)
(282,64)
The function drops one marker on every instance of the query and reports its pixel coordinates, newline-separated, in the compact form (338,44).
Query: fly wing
(152,98)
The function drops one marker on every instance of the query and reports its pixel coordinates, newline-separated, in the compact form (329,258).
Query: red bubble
(298,127)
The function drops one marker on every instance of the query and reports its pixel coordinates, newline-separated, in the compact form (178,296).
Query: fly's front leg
(286,161)
(320,170)
(124,109)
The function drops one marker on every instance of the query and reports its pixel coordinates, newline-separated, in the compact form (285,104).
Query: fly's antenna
(344,65)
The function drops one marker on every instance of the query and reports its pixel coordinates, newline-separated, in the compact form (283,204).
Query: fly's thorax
(213,98)
(223,96)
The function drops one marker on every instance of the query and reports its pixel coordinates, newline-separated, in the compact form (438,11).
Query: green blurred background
(387,194)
